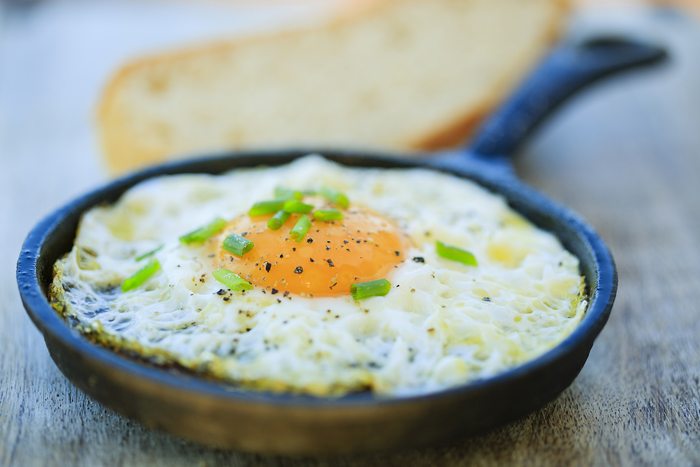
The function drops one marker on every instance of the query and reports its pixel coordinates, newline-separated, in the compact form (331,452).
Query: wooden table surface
(626,155)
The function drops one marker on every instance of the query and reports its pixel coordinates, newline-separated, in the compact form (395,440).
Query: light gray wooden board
(626,156)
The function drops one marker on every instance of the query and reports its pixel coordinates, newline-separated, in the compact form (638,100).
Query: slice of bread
(397,75)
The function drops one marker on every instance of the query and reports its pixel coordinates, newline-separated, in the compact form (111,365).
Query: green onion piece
(362,290)
(287,193)
(455,254)
(237,244)
(203,234)
(148,253)
(296,206)
(232,280)
(266,207)
(300,228)
(328,215)
(335,197)
(278,220)
(141,276)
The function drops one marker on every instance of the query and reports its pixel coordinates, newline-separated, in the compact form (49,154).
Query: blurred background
(56,56)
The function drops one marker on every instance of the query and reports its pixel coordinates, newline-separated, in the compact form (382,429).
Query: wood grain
(625,155)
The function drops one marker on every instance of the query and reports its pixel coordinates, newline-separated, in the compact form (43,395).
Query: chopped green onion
(335,197)
(202,234)
(231,280)
(296,206)
(362,290)
(141,276)
(237,244)
(328,215)
(455,254)
(287,193)
(300,228)
(148,253)
(278,220)
(266,207)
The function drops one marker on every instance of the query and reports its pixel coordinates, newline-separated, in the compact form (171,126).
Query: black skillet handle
(567,70)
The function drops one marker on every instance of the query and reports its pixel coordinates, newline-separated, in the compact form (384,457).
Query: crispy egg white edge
(442,324)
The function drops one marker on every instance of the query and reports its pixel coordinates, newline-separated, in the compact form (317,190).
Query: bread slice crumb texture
(402,75)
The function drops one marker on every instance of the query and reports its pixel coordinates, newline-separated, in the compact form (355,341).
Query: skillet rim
(488,176)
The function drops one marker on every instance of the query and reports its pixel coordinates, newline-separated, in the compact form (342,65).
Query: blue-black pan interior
(225,416)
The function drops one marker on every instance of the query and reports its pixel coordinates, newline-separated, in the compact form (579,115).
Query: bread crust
(119,154)
(461,129)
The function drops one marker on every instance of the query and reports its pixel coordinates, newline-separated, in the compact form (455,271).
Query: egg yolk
(361,247)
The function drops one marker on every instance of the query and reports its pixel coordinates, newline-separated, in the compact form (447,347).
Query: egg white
(442,324)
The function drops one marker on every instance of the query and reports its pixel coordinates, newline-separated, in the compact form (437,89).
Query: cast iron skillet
(228,417)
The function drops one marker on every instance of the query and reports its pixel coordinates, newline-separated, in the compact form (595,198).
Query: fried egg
(468,288)
(332,256)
